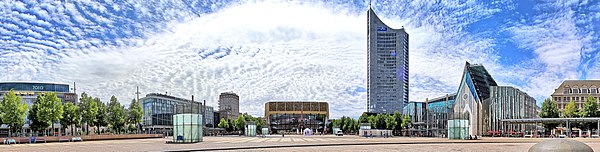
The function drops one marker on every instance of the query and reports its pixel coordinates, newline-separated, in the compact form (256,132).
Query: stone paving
(297,143)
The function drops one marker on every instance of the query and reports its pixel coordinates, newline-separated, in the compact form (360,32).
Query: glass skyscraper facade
(387,68)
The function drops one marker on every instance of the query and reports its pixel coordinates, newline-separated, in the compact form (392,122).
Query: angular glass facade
(296,116)
(470,106)
(387,68)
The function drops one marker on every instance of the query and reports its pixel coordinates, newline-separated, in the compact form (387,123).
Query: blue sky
(292,50)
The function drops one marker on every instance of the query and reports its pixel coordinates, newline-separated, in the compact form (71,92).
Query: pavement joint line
(341,144)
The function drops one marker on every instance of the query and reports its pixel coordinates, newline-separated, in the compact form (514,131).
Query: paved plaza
(296,143)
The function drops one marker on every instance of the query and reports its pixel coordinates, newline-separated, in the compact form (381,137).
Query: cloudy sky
(292,50)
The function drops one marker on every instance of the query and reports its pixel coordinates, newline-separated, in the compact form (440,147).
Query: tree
(549,110)
(89,111)
(240,123)
(590,109)
(363,118)
(102,116)
(34,123)
(13,110)
(116,115)
(71,116)
(398,117)
(50,109)
(135,113)
(390,122)
(371,119)
(406,121)
(223,123)
(570,110)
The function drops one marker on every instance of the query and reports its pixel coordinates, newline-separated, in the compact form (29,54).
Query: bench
(23,140)
(40,139)
(64,138)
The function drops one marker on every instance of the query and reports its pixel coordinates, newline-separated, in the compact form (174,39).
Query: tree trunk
(52,128)
(87,129)
(72,133)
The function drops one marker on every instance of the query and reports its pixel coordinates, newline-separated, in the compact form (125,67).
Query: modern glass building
(387,68)
(295,116)
(470,106)
(438,110)
(159,109)
(29,92)
(510,103)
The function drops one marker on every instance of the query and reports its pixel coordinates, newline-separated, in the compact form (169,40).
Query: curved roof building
(387,68)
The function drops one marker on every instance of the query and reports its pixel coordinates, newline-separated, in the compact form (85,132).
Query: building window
(584,91)
(575,90)
(566,91)
(594,90)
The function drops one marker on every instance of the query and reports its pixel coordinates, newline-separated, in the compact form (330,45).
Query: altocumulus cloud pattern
(291,50)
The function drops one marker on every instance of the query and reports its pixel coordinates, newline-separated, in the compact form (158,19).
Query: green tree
(570,110)
(371,119)
(50,109)
(135,114)
(549,110)
(406,121)
(590,109)
(13,111)
(71,116)
(89,111)
(364,118)
(223,123)
(116,115)
(398,118)
(34,124)
(390,122)
(240,123)
(102,116)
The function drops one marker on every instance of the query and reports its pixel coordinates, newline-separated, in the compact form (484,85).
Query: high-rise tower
(387,69)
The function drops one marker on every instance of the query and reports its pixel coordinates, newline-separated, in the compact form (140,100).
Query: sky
(292,50)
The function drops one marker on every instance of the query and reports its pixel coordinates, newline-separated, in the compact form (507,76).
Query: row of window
(580,91)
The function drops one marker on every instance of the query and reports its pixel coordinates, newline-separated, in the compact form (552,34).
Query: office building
(387,68)
(295,116)
(29,92)
(510,103)
(159,109)
(577,91)
(229,105)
